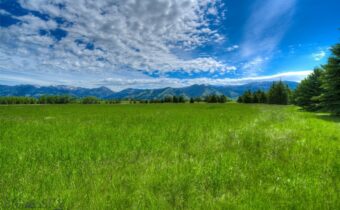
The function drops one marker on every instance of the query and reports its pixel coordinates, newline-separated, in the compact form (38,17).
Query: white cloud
(122,80)
(131,35)
(319,56)
(254,63)
(172,82)
(253,66)
(3,12)
(265,28)
(232,48)
(126,34)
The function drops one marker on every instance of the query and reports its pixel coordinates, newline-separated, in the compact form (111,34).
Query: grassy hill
(168,156)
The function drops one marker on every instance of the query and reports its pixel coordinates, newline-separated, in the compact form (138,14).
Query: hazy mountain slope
(232,91)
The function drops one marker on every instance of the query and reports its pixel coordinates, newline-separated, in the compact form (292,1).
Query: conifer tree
(181,99)
(331,82)
(256,98)
(247,97)
(240,99)
(278,93)
(175,99)
(223,99)
(307,94)
(262,97)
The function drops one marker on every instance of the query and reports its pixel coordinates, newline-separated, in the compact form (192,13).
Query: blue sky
(157,43)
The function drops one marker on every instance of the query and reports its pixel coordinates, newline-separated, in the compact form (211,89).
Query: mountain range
(231,91)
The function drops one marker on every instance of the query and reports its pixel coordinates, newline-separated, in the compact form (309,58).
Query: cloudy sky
(157,43)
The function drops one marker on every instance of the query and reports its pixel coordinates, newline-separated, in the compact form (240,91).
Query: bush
(90,100)
(216,99)
(17,100)
(49,99)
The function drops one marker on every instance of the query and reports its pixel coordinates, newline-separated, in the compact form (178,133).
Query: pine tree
(331,82)
(307,94)
(247,97)
(168,99)
(198,99)
(256,97)
(181,99)
(214,98)
(262,97)
(278,93)
(175,99)
(240,99)
(223,99)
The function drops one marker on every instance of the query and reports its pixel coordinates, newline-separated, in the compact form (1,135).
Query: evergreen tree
(198,99)
(168,99)
(223,99)
(307,94)
(331,82)
(91,100)
(17,100)
(240,99)
(214,99)
(181,99)
(256,97)
(247,97)
(278,93)
(175,99)
(262,96)
(192,100)
(259,97)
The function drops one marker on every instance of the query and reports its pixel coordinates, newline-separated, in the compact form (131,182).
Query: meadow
(168,156)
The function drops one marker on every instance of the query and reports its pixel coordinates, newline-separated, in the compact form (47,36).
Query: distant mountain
(232,91)
(36,91)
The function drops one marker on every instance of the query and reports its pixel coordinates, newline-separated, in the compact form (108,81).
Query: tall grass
(168,156)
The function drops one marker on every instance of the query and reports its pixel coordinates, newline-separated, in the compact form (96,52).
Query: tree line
(66,99)
(279,93)
(212,98)
(54,99)
(320,91)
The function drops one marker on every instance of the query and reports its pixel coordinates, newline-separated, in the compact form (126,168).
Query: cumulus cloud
(319,56)
(105,35)
(122,80)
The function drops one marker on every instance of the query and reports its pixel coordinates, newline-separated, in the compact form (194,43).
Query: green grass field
(168,156)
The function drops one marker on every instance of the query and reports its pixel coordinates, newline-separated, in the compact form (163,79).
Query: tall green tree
(307,94)
(262,96)
(240,99)
(168,99)
(247,97)
(331,82)
(256,97)
(181,99)
(278,93)
(175,99)
(222,99)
